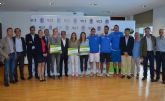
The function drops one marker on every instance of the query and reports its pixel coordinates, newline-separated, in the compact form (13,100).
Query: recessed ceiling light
(93,4)
(144,6)
(0,3)
(52,3)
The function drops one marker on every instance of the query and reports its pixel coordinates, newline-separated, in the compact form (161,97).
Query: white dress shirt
(64,41)
(149,44)
(18,43)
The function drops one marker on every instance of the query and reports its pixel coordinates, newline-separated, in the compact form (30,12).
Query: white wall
(158,19)
(22,19)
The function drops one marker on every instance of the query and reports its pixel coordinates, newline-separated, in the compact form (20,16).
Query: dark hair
(46,29)
(63,32)
(71,38)
(17,29)
(147,28)
(106,26)
(39,30)
(32,27)
(116,26)
(127,29)
(9,29)
(93,29)
(80,40)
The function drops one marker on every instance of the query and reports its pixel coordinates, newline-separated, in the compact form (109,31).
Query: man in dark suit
(21,53)
(64,55)
(47,61)
(31,52)
(126,46)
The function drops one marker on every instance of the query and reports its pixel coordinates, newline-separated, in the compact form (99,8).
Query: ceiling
(88,7)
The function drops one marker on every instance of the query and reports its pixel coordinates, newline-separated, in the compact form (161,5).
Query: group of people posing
(123,49)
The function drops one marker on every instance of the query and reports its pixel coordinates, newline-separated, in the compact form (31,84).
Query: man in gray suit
(8,50)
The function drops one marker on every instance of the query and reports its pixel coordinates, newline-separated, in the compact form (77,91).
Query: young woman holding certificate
(84,51)
(73,52)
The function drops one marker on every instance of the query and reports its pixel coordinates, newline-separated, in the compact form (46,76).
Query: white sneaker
(72,74)
(108,75)
(101,75)
(76,75)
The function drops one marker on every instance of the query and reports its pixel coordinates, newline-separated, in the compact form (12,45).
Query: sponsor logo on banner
(41,20)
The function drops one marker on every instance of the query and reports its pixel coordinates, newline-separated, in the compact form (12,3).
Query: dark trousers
(31,55)
(83,62)
(48,63)
(19,61)
(160,62)
(150,58)
(64,58)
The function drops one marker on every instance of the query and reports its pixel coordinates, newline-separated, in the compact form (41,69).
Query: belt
(150,51)
(11,53)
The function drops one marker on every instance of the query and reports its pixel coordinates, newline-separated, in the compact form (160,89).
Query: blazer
(38,46)
(5,49)
(30,42)
(65,48)
(126,48)
(3,54)
(143,45)
(23,45)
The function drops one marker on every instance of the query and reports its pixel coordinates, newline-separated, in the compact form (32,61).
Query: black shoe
(66,75)
(36,77)
(16,80)
(156,80)
(58,77)
(152,80)
(6,85)
(12,81)
(30,77)
(49,76)
(144,78)
(53,77)
(163,82)
(22,78)
(123,76)
(129,77)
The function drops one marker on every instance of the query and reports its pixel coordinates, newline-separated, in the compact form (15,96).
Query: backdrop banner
(78,24)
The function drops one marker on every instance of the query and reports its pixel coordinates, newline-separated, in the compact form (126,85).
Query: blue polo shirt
(115,40)
(105,41)
(136,49)
(93,43)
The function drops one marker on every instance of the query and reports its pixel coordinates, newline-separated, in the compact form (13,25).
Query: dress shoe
(30,77)
(144,78)
(22,78)
(163,82)
(6,85)
(129,77)
(152,80)
(16,80)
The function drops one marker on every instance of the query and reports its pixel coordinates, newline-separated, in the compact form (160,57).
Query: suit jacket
(3,54)
(38,46)
(65,48)
(126,48)
(143,46)
(30,43)
(5,49)
(23,45)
